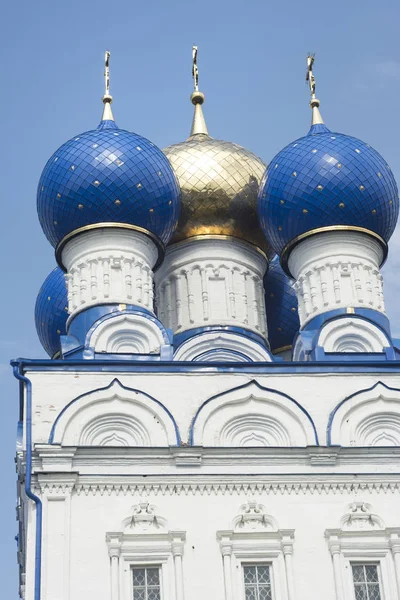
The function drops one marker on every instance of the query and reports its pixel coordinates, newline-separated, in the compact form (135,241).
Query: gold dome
(219,184)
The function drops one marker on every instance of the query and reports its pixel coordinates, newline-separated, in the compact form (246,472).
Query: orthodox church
(219,415)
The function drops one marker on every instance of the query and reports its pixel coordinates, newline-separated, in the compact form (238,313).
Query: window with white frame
(145,557)
(257,582)
(146,584)
(257,556)
(366,581)
(365,555)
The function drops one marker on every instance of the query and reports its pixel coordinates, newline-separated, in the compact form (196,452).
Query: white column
(109,265)
(337,571)
(287,548)
(337,269)
(212,281)
(177,552)
(114,551)
(395,546)
(114,557)
(226,550)
(56,552)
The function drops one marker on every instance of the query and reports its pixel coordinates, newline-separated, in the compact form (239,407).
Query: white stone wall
(183,393)
(113,453)
(337,270)
(77,525)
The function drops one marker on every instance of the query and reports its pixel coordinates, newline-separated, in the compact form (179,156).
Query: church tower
(220,413)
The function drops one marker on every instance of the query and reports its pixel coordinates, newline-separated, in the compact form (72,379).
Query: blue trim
(17,366)
(374,316)
(281,367)
(241,387)
(77,343)
(333,413)
(81,323)
(216,350)
(180,338)
(107,387)
(132,310)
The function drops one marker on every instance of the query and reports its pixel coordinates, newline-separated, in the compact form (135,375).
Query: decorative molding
(282,487)
(114,429)
(255,536)
(360,517)
(61,485)
(109,266)
(369,417)
(252,517)
(143,539)
(206,282)
(104,416)
(144,519)
(222,346)
(334,270)
(252,415)
(128,334)
(364,537)
(348,334)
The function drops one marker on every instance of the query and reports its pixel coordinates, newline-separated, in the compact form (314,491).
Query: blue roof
(51,311)
(326,179)
(281,307)
(108,175)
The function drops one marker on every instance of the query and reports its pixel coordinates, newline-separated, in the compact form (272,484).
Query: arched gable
(252,415)
(115,415)
(369,417)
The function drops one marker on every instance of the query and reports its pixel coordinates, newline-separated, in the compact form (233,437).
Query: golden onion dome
(219,183)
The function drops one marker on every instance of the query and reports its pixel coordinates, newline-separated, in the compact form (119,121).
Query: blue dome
(326,179)
(108,175)
(281,307)
(51,311)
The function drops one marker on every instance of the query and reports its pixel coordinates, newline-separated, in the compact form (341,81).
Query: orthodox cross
(195,70)
(310,75)
(107,72)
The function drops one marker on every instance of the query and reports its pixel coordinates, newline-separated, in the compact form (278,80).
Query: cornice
(54,458)
(220,485)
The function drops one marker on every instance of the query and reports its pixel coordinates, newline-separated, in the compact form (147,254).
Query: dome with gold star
(219,183)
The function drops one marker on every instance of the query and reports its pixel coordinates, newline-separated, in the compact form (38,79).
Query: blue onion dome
(219,183)
(326,180)
(108,175)
(51,312)
(281,308)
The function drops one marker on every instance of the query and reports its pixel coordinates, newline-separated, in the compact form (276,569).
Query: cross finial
(107,72)
(195,70)
(310,75)
(107,98)
(197,98)
(314,102)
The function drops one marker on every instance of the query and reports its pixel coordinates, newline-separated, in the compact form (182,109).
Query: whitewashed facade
(246,484)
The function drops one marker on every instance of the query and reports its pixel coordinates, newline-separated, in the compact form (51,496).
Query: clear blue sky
(252,67)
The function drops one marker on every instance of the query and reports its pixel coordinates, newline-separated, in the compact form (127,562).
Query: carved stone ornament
(252,517)
(360,517)
(144,518)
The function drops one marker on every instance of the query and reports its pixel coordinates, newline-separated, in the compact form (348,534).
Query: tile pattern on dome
(219,183)
(107,175)
(281,307)
(51,311)
(326,179)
